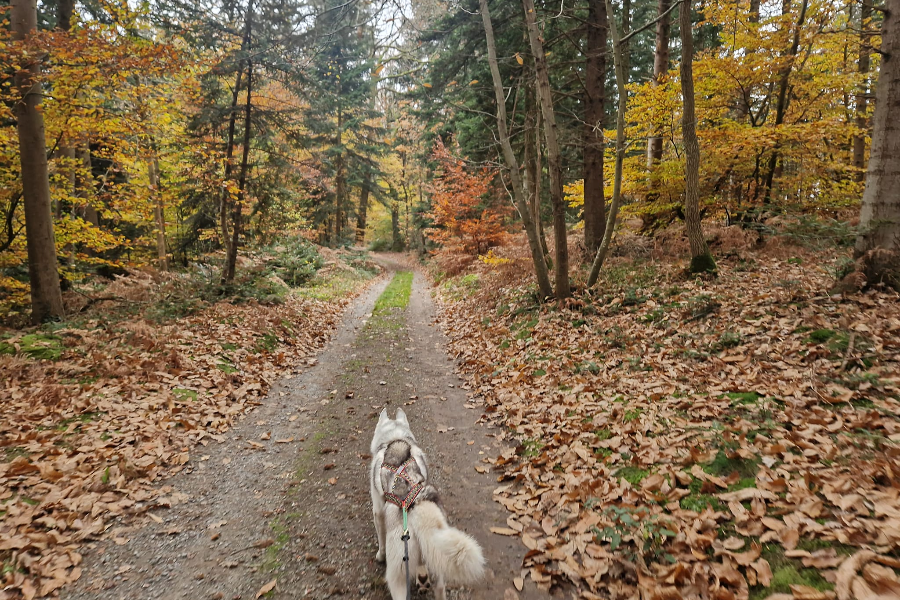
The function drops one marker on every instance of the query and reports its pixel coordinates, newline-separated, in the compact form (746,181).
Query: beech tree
(43,272)
(701,259)
(878,242)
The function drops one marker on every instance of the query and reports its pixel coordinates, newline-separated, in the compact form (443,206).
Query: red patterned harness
(414,489)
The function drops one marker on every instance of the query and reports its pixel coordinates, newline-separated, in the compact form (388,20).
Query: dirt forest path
(285,497)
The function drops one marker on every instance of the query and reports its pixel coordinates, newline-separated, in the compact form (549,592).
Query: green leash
(404,503)
(405,538)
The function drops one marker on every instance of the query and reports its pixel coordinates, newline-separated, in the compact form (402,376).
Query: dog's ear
(383,416)
(401,416)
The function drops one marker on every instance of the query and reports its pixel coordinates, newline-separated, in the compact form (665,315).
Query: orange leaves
(464,221)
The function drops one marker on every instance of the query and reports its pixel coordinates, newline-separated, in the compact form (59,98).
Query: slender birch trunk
(537,256)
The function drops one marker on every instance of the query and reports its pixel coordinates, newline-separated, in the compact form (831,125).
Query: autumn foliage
(464,222)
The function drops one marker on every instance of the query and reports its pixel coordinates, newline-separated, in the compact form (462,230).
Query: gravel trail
(285,497)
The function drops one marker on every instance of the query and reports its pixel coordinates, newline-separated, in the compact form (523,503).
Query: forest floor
(278,504)
(669,436)
(662,436)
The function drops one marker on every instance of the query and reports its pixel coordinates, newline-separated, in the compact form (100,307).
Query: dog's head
(388,430)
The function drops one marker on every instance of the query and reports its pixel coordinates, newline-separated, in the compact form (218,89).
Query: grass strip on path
(396,294)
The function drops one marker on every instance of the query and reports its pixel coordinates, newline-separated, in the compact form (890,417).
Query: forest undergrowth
(680,437)
(97,410)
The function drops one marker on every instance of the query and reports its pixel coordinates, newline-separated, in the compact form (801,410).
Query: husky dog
(399,474)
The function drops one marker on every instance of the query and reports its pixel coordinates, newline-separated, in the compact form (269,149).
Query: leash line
(404,504)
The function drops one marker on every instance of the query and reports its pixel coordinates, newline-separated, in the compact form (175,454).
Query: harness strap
(404,504)
(414,489)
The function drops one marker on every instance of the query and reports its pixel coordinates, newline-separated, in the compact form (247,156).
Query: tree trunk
(782,101)
(396,240)
(43,270)
(538,194)
(159,213)
(229,154)
(862,100)
(660,68)
(339,176)
(64,10)
(232,247)
(594,116)
(242,183)
(701,259)
(534,243)
(362,213)
(619,61)
(533,168)
(878,242)
(554,157)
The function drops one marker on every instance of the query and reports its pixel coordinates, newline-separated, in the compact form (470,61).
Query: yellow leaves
(426,85)
(491,259)
(574,193)
(473,82)
(378,69)
(519,59)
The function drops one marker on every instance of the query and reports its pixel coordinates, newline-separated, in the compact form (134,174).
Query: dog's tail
(447,551)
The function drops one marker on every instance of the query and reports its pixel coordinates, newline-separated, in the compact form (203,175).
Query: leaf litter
(693,439)
(88,438)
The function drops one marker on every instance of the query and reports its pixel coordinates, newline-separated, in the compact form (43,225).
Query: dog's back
(450,555)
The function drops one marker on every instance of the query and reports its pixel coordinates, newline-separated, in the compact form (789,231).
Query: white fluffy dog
(399,475)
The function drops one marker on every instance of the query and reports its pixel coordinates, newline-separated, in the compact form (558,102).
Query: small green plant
(531,447)
(655,316)
(295,261)
(843,267)
(184,394)
(702,306)
(632,298)
(728,339)
(648,533)
(820,336)
(267,343)
(633,475)
(632,415)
